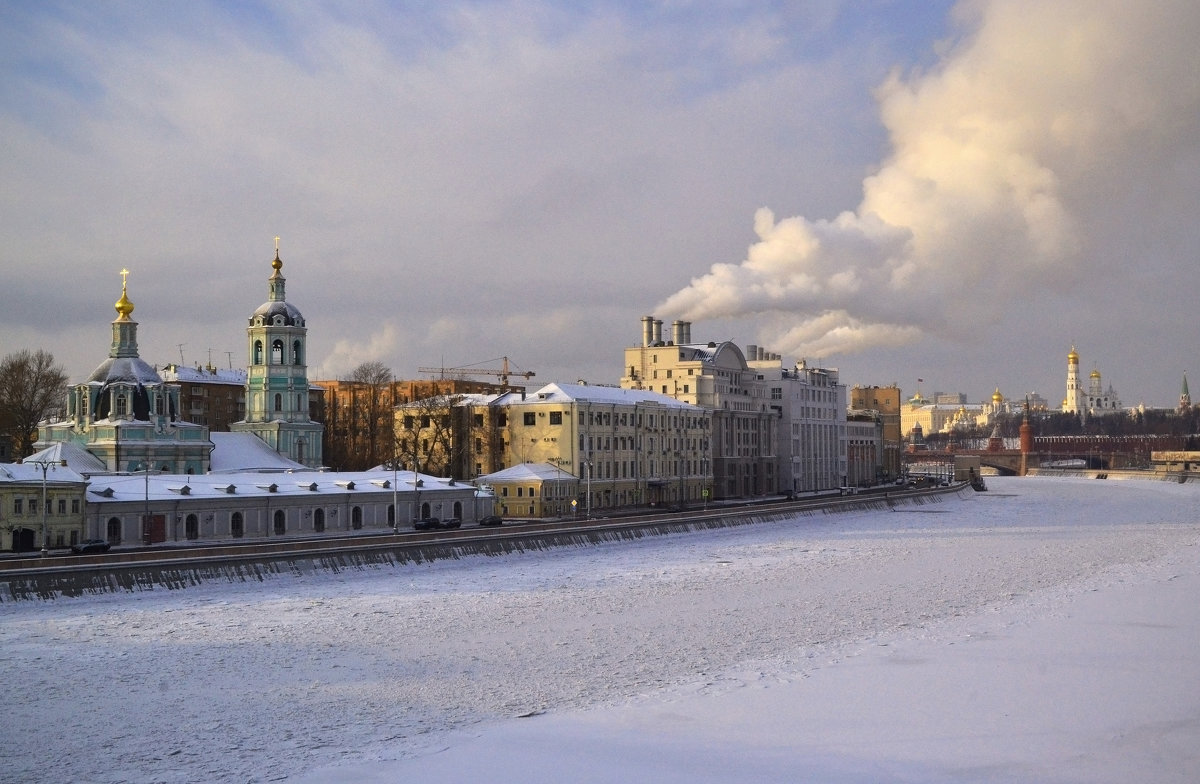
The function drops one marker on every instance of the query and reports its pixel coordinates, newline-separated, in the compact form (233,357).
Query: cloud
(1006,158)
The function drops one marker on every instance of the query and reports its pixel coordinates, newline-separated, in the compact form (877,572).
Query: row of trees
(32,388)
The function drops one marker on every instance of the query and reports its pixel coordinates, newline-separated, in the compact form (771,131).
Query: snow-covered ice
(1043,631)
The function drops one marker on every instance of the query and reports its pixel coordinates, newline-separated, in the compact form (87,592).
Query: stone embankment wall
(82,578)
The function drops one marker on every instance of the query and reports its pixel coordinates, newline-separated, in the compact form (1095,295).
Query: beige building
(884,401)
(624,447)
(41,504)
(715,377)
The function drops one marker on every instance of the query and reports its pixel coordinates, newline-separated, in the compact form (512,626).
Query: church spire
(277,280)
(124,342)
(1185,399)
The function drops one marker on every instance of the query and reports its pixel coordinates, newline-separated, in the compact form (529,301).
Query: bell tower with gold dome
(277,377)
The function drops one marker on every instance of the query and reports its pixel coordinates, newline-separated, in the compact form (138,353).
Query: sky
(1040,631)
(957,192)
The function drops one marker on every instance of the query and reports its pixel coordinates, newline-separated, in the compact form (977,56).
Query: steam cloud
(1005,158)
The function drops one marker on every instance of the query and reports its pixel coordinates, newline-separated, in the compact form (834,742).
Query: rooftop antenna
(181,345)
(229,355)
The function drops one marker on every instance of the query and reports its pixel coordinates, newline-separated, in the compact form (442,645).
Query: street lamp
(45,465)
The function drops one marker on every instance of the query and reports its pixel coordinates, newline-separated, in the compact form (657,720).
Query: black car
(91,546)
(427,524)
(491,520)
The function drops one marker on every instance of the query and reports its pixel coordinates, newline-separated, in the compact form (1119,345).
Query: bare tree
(32,386)
(358,425)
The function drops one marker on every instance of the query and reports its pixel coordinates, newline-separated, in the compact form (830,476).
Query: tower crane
(503,372)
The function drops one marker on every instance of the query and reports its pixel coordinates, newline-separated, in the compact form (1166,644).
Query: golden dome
(124,306)
(1073,358)
(997,397)
(1095,374)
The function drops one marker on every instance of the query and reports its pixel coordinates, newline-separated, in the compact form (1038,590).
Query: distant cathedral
(1092,401)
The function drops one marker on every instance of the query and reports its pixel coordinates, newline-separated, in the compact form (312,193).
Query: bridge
(1096,452)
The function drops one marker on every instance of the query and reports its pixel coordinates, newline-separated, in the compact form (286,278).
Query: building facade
(41,505)
(717,378)
(623,447)
(884,401)
(811,404)
(209,396)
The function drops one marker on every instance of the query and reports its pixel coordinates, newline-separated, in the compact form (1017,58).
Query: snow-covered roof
(233,377)
(587,393)
(247,452)
(78,459)
(125,370)
(526,471)
(118,488)
(32,472)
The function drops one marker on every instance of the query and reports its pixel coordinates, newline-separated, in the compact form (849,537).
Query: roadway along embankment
(182,567)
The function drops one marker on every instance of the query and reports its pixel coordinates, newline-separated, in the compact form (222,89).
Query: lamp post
(45,465)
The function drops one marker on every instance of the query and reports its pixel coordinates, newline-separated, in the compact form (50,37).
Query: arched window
(121,405)
(280,522)
(278,402)
(297,359)
(319,520)
(237,527)
(113,530)
(258,352)
(191,527)
(424,510)
(277,352)
(356,518)
(458,509)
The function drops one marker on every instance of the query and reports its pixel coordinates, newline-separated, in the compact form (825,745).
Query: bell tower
(277,376)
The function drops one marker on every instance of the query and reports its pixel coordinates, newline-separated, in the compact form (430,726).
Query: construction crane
(503,372)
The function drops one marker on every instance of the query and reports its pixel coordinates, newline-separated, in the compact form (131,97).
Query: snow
(1042,631)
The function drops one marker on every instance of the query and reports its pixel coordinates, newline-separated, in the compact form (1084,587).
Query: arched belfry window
(277,352)
(121,404)
(258,352)
(297,353)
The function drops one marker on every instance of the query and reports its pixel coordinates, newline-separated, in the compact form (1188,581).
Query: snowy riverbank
(1044,631)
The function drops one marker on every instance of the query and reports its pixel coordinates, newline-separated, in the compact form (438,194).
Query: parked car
(427,524)
(491,520)
(91,546)
(453,522)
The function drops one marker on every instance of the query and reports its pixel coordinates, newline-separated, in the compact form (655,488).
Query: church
(1091,401)
(127,418)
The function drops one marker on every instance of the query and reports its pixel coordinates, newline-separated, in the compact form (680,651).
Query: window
(297,354)
(191,527)
(356,518)
(280,522)
(62,506)
(74,506)
(277,352)
(319,520)
(408,422)
(122,405)
(278,402)
(18,505)
(530,418)
(237,528)
(556,417)
(33,507)
(258,352)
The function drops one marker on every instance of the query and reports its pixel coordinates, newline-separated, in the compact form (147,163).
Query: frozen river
(420,672)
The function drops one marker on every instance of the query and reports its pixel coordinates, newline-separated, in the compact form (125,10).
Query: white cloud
(1005,157)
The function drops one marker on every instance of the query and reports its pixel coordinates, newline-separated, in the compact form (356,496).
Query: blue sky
(900,190)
